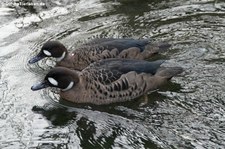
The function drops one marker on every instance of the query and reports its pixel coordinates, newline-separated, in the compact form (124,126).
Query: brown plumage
(99,49)
(109,81)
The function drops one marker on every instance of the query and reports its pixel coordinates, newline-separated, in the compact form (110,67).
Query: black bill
(39,86)
(36,58)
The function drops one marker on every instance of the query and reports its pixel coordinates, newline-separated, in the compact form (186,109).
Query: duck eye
(47,53)
(53,81)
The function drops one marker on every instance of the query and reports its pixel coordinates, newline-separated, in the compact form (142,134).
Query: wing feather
(108,83)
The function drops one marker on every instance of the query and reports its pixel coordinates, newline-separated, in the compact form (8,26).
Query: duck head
(59,77)
(53,49)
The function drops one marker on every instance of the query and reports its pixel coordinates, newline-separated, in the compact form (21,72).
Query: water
(187,113)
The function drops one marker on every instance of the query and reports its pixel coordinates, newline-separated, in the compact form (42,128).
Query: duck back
(127,65)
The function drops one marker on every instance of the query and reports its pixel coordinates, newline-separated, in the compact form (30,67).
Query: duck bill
(39,86)
(37,58)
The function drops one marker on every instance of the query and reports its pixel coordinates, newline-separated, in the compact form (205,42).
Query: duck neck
(65,61)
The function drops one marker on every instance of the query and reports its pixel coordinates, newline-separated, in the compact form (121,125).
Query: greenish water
(187,113)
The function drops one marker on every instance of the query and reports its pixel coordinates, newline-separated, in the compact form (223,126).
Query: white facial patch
(61,57)
(68,87)
(47,53)
(53,81)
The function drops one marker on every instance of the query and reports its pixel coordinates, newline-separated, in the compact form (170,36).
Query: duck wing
(122,44)
(98,41)
(109,70)
(116,43)
(116,80)
(106,72)
(126,65)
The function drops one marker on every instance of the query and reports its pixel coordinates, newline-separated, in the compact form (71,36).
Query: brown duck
(99,49)
(108,81)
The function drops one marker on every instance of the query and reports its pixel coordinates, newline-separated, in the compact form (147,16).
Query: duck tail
(169,72)
(160,47)
(163,46)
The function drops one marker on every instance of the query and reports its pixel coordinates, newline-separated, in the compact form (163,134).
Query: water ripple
(188,112)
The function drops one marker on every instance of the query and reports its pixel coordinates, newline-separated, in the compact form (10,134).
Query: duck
(98,49)
(108,81)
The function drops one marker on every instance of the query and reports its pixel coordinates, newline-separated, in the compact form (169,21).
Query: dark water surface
(189,112)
